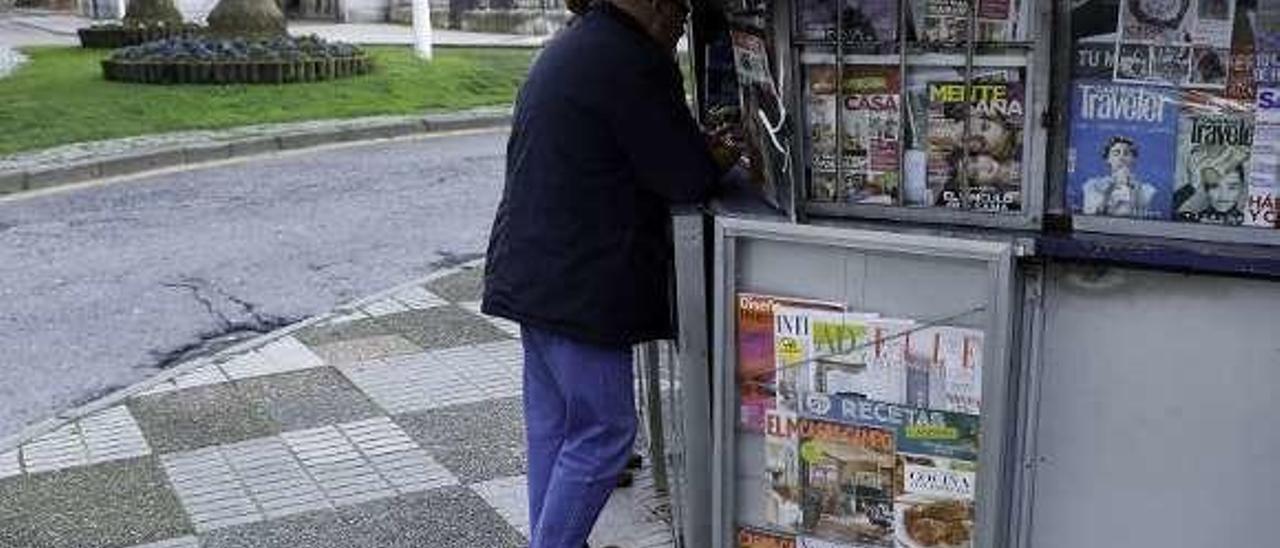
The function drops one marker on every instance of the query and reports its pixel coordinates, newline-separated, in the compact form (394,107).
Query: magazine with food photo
(1212,177)
(1122,154)
(757,359)
(783,497)
(754,538)
(917,430)
(847,476)
(871,103)
(975,145)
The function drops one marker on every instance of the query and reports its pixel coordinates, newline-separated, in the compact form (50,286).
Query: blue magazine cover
(1124,140)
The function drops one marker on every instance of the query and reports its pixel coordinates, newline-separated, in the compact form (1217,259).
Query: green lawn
(60,97)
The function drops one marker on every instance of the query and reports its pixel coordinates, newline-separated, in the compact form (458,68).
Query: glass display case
(1173,118)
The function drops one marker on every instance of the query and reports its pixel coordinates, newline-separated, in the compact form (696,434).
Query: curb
(63,418)
(129,163)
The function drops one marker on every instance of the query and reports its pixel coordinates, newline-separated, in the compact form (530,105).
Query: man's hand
(725,145)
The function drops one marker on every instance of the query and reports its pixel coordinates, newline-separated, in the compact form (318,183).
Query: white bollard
(422,28)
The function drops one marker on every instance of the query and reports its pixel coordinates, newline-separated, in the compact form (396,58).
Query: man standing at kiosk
(602,142)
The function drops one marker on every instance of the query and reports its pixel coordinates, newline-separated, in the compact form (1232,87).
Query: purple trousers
(580,423)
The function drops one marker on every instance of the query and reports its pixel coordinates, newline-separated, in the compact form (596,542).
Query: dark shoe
(625,479)
(635,462)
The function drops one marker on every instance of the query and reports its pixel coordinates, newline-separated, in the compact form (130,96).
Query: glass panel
(857,427)
(917,113)
(1175,111)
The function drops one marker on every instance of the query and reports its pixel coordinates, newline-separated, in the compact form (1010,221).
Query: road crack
(237,320)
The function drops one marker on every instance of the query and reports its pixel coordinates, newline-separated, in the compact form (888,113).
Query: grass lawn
(60,97)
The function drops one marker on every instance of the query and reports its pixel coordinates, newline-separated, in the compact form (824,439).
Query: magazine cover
(782,469)
(975,145)
(879,369)
(871,101)
(1212,178)
(935,464)
(757,360)
(916,190)
(916,430)
(793,347)
(753,538)
(1093,60)
(1123,142)
(1267,27)
(946,22)
(868,24)
(848,473)
(1175,42)
(763,117)
(944,369)
(821,92)
(1264,168)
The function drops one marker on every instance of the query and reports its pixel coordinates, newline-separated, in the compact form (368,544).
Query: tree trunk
(150,12)
(247,18)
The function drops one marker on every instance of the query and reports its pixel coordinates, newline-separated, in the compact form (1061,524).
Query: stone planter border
(235,72)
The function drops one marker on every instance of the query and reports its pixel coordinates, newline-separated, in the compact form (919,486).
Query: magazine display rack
(900,358)
(848,442)
(1173,119)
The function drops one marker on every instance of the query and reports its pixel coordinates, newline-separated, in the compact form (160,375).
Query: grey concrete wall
(366,11)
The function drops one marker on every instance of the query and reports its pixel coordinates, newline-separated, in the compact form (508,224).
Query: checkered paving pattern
(105,436)
(184,542)
(281,356)
(440,378)
(9,464)
(339,432)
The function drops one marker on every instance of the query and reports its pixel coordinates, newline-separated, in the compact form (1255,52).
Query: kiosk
(1006,277)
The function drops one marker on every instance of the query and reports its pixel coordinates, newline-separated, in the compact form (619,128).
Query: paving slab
(348,352)
(306,399)
(448,517)
(462,286)
(119,503)
(202,416)
(442,327)
(449,433)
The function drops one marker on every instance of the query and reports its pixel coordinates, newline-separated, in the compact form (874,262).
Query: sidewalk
(392,423)
(29,28)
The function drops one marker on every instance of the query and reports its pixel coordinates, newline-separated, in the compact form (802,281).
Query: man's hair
(1118,140)
(579,7)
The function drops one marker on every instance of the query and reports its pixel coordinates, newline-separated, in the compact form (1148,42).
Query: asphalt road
(101,287)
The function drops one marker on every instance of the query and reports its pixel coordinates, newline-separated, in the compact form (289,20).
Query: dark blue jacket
(601,144)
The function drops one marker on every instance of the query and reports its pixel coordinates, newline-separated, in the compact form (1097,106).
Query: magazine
(944,369)
(753,538)
(757,360)
(848,473)
(762,116)
(1175,42)
(871,101)
(935,468)
(1212,178)
(782,470)
(867,24)
(975,145)
(947,22)
(823,108)
(1264,168)
(916,190)
(1121,159)
(1093,60)
(879,371)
